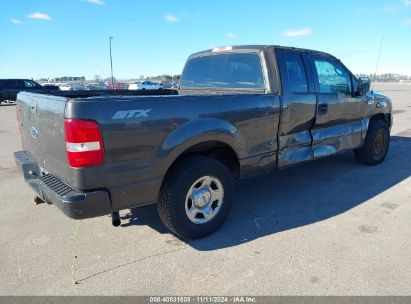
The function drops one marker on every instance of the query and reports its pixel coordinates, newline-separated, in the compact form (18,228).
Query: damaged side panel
(338,138)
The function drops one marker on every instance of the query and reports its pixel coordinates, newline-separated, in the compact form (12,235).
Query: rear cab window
(224,71)
(297,77)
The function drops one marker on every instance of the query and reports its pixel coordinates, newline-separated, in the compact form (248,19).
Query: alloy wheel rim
(204,199)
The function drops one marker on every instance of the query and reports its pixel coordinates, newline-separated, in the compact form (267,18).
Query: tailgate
(41,123)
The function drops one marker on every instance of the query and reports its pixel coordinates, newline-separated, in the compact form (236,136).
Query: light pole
(111,64)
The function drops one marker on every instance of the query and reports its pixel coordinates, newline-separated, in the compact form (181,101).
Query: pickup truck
(9,88)
(239,112)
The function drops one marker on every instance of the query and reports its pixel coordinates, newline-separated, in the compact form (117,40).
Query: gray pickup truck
(239,111)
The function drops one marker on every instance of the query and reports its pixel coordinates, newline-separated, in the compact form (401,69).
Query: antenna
(378,58)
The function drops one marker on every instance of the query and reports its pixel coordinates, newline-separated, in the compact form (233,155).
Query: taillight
(84,143)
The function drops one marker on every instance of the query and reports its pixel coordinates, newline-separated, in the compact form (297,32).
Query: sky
(54,38)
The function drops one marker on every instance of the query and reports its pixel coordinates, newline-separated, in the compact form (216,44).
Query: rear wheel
(195,197)
(376,144)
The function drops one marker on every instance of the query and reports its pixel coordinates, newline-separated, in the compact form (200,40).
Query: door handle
(322,108)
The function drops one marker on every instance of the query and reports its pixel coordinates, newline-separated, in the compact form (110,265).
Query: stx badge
(131,114)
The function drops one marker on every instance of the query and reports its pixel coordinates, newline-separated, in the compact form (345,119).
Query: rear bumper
(75,204)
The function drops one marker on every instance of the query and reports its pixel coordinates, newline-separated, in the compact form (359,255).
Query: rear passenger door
(298,107)
(338,124)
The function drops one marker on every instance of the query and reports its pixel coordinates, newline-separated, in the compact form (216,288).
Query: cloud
(39,15)
(407,21)
(407,2)
(298,32)
(171,18)
(232,35)
(15,21)
(99,2)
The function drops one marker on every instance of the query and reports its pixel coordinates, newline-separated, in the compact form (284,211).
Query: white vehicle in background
(95,86)
(145,85)
(134,85)
(65,87)
(45,84)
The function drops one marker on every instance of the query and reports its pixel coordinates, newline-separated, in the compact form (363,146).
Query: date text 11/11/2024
(203,299)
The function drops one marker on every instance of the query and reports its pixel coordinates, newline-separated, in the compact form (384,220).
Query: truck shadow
(296,197)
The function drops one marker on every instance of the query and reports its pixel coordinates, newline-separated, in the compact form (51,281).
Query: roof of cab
(251,48)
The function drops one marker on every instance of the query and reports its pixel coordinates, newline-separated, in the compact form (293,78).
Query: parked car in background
(117,86)
(169,84)
(10,87)
(78,86)
(174,85)
(145,85)
(95,86)
(134,85)
(49,85)
(65,87)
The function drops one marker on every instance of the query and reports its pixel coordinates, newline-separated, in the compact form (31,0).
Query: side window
(297,78)
(332,77)
(2,84)
(29,84)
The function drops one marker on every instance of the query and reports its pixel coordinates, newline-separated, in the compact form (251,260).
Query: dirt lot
(331,227)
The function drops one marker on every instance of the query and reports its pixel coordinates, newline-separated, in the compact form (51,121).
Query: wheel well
(383,117)
(217,150)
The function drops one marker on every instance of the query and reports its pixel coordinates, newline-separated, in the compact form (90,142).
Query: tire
(210,183)
(376,144)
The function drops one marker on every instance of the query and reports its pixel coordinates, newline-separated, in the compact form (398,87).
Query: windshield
(224,71)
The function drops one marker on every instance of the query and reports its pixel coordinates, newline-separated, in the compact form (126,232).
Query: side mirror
(364,84)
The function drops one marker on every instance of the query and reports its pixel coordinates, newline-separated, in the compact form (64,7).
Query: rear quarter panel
(141,147)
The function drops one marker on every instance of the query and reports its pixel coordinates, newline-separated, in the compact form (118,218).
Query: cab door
(338,124)
(298,107)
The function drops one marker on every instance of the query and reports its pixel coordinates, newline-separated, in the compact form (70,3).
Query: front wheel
(376,144)
(195,197)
